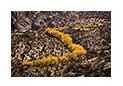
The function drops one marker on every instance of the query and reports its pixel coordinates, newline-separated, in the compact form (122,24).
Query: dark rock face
(30,42)
(24,20)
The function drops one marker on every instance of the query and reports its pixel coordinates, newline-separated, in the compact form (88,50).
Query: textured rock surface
(30,42)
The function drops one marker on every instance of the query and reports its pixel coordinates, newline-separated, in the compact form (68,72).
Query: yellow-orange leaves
(95,26)
(71,55)
(75,46)
(63,59)
(77,26)
(52,60)
(28,63)
(66,39)
(100,25)
(89,25)
(77,50)
(44,61)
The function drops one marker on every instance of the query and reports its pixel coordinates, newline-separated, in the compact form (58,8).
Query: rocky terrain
(30,42)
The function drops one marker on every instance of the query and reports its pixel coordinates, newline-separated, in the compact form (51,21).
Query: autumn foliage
(76,49)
